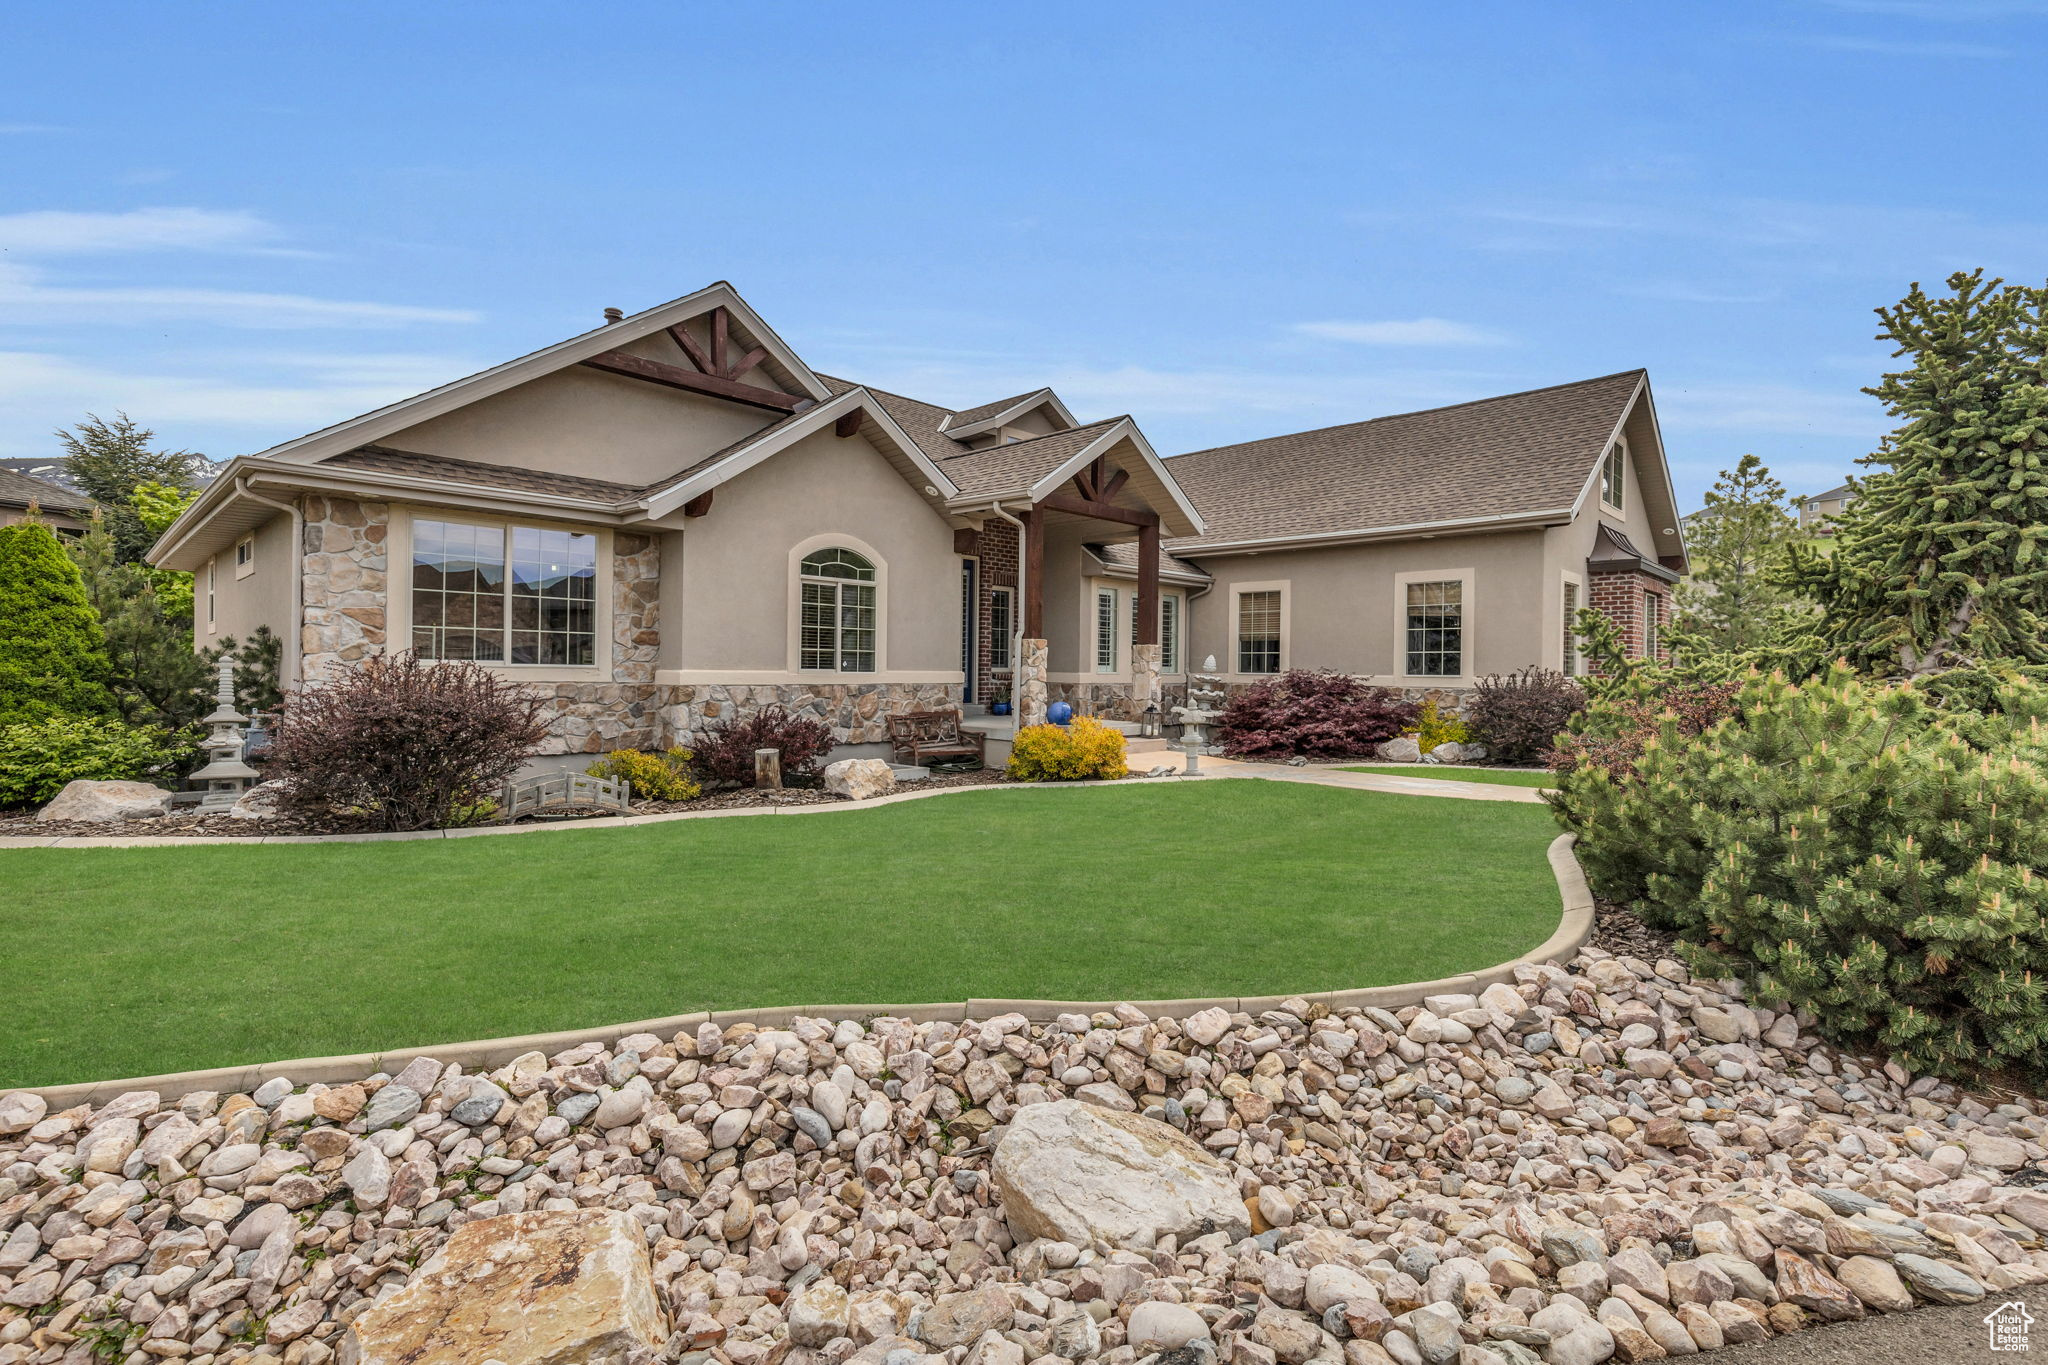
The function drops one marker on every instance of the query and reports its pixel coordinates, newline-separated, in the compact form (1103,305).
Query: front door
(970,632)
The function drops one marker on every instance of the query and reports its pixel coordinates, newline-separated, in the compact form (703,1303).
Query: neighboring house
(671,519)
(62,508)
(1817,513)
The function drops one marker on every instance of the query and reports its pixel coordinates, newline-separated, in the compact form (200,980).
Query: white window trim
(1283,586)
(1095,640)
(1619,504)
(1468,617)
(212,594)
(1008,637)
(1564,658)
(794,606)
(245,567)
(398,596)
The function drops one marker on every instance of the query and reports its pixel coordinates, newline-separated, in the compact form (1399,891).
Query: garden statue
(1206,695)
(226,775)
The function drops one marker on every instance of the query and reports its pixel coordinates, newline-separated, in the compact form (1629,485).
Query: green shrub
(38,757)
(1055,753)
(1851,850)
(657,777)
(53,655)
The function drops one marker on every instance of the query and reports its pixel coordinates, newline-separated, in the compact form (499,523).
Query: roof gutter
(1023,596)
(1502,521)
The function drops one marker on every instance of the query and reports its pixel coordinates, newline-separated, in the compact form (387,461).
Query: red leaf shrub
(725,752)
(414,744)
(1311,712)
(1517,715)
(1613,732)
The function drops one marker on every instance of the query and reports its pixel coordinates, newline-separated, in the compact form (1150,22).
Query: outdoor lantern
(1148,724)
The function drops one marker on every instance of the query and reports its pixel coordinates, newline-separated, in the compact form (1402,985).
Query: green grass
(130,962)
(1505,777)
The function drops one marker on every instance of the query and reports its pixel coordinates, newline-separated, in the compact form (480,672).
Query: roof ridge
(1417,412)
(889,393)
(1050,435)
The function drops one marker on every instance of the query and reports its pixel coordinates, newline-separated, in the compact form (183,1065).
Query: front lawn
(1506,777)
(131,962)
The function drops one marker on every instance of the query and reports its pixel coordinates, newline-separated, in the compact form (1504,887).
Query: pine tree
(155,677)
(109,461)
(53,656)
(1733,602)
(1937,565)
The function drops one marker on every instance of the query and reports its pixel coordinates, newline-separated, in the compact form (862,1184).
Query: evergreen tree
(53,656)
(1937,566)
(155,677)
(1733,602)
(156,507)
(109,461)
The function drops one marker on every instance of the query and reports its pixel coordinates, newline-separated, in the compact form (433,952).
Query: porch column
(1034,575)
(1148,584)
(1031,682)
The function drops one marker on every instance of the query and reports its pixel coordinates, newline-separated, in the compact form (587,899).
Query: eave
(1506,521)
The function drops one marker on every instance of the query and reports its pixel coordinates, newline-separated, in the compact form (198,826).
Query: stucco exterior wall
(262,596)
(729,595)
(648,431)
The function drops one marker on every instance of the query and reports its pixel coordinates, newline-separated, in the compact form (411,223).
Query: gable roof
(20,490)
(1494,459)
(991,416)
(1012,469)
(448,469)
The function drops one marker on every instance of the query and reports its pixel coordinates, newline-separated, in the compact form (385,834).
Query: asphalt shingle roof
(970,416)
(1018,465)
(1519,453)
(415,465)
(19,490)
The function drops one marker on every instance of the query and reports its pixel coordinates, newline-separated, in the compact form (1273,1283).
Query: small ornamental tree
(1736,598)
(53,654)
(155,678)
(1313,713)
(411,744)
(725,752)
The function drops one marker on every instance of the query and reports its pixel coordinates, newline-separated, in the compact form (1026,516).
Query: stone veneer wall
(346,564)
(857,712)
(625,713)
(1107,700)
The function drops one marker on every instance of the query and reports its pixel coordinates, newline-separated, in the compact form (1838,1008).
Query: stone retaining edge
(1574,928)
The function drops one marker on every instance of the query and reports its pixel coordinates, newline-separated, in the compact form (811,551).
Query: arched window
(838,627)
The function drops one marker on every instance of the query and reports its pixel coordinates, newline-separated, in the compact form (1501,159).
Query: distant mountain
(53,469)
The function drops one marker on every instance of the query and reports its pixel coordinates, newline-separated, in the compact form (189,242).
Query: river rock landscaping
(1607,1159)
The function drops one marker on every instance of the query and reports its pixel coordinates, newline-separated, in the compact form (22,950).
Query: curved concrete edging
(1574,928)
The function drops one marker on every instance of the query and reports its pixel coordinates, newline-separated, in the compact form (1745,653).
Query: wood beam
(848,423)
(676,377)
(1114,486)
(748,362)
(699,505)
(682,338)
(1101,511)
(1148,584)
(1034,574)
(720,322)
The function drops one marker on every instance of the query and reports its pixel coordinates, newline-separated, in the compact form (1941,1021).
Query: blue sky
(241,222)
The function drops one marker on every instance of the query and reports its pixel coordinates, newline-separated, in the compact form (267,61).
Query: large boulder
(258,803)
(1450,751)
(106,803)
(1401,750)
(526,1289)
(1075,1173)
(860,778)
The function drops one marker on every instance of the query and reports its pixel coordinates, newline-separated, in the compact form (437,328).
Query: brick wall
(1629,599)
(998,548)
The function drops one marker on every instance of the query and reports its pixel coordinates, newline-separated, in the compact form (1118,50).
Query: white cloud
(1414,332)
(57,232)
(279,396)
(1906,47)
(26,299)
(1775,409)
(25,129)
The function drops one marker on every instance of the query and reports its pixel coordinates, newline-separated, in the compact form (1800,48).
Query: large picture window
(504,594)
(1258,631)
(1436,629)
(837,632)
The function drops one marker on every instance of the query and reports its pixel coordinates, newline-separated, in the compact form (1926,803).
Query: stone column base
(1031,683)
(1144,679)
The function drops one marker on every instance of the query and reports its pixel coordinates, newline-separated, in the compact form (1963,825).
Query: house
(672,518)
(61,508)
(1817,513)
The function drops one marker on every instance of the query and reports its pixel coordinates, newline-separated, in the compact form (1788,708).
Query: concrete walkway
(1370,782)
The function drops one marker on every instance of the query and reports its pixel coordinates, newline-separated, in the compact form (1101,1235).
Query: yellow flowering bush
(655,777)
(1433,727)
(1052,753)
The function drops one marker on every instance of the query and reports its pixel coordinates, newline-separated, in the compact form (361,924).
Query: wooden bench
(919,736)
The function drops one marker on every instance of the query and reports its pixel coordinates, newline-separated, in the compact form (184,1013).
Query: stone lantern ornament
(226,775)
(1206,694)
